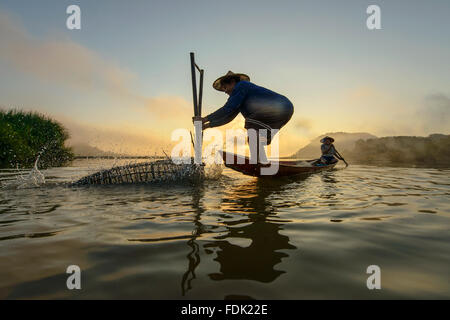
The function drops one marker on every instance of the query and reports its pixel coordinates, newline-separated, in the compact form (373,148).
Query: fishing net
(146,172)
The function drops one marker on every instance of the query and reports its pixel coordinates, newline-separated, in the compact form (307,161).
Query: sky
(122,82)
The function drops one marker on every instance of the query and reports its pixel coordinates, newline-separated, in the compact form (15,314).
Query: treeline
(26,135)
(433,150)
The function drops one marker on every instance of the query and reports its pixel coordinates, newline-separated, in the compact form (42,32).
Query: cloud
(303,125)
(59,61)
(123,140)
(435,113)
(430,114)
(176,112)
(62,62)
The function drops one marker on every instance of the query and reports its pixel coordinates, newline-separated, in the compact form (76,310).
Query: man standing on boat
(261,108)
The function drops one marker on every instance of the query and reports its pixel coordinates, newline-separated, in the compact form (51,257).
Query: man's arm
(230,110)
(333,148)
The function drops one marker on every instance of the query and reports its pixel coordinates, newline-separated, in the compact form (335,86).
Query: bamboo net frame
(146,172)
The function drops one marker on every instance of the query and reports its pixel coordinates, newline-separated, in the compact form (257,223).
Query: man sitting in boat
(261,108)
(328,150)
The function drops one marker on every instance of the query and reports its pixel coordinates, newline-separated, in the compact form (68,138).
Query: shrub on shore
(26,135)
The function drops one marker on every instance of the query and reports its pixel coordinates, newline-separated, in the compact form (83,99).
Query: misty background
(122,82)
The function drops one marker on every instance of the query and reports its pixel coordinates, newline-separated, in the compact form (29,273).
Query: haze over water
(235,236)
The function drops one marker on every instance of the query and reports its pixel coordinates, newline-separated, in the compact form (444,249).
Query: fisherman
(261,108)
(328,150)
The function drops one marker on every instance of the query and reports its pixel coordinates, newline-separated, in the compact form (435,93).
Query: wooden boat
(285,168)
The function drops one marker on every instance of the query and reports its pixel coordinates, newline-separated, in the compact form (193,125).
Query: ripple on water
(304,237)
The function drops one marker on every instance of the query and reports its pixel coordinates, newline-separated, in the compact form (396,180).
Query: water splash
(158,171)
(34,178)
(213,166)
(213,171)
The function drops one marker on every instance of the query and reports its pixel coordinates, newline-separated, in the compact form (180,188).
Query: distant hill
(343,141)
(86,150)
(433,150)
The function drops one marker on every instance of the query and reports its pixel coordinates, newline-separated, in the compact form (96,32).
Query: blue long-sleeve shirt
(328,150)
(255,103)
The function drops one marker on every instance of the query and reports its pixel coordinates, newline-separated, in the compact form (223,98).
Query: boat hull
(285,168)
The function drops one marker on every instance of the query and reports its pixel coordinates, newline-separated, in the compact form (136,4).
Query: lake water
(229,237)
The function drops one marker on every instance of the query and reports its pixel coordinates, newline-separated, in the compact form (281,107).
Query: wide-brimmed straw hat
(325,138)
(230,74)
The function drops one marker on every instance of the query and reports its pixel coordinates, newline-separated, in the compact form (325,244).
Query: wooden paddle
(341,157)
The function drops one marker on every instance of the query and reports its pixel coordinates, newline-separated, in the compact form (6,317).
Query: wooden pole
(194,84)
(200,94)
(197,112)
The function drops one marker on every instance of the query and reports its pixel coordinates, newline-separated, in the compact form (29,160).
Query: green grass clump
(26,135)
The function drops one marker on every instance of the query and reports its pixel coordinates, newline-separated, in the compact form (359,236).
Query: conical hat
(327,137)
(218,83)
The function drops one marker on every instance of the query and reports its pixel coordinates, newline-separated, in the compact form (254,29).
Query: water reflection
(194,254)
(329,184)
(250,247)
(329,178)
(162,241)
